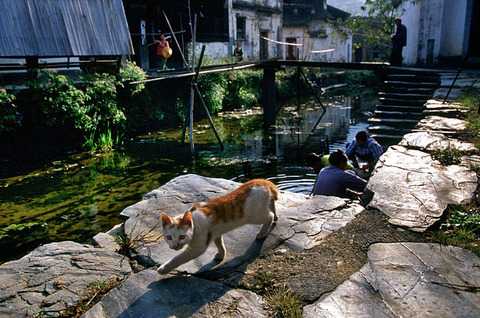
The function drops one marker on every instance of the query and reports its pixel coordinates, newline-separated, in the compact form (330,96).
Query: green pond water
(82,194)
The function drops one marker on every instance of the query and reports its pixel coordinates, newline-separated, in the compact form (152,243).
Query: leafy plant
(131,73)
(449,156)
(461,228)
(9,117)
(60,101)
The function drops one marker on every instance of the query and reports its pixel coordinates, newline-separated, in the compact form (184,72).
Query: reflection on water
(80,196)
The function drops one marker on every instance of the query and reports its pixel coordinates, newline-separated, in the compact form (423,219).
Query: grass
(461,228)
(471,100)
(95,291)
(281,301)
(284,303)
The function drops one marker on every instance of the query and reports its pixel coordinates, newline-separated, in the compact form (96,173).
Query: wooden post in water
(192,88)
(269,96)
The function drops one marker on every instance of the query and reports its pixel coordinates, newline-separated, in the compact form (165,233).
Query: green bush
(9,117)
(61,103)
(93,109)
(104,111)
(131,73)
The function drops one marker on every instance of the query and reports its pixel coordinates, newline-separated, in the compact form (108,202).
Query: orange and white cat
(251,203)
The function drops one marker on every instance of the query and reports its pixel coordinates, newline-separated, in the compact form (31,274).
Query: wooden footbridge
(394,114)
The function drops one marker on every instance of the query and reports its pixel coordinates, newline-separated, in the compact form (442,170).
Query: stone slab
(450,109)
(54,277)
(107,241)
(442,124)
(414,190)
(407,280)
(355,298)
(150,295)
(303,222)
(430,141)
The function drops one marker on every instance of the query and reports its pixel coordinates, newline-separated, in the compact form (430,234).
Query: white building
(441,31)
(315,27)
(248,22)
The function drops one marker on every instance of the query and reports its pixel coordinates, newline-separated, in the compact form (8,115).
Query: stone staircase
(401,102)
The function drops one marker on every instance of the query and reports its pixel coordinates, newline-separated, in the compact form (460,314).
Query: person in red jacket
(162,51)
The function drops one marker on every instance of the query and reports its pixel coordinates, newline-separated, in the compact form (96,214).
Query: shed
(63,28)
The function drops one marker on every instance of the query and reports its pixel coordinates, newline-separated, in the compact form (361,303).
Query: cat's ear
(187,219)
(166,220)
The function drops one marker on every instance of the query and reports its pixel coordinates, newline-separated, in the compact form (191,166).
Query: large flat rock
(54,277)
(303,222)
(150,295)
(451,126)
(414,190)
(407,280)
(434,107)
(430,141)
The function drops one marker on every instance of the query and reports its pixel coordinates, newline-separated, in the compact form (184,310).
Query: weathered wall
(255,23)
(436,29)
(217,51)
(333,39)
(454,27)
(411,19)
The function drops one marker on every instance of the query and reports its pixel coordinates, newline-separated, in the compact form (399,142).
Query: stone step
(397,114)
(412,70)
(387,130)
(393,122)
(401,108)
(399,101)
(432,85)
(412,78)
(386,139)
(409,90)
(403,96)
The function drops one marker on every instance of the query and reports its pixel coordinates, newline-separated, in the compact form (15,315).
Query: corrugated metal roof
(51,28)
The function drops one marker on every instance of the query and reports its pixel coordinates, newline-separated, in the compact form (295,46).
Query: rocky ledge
(407,280)
(303,222)
(431,141)
(150,295)
(56,277)
(414,190)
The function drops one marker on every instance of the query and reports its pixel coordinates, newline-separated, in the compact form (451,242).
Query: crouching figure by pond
(251,203)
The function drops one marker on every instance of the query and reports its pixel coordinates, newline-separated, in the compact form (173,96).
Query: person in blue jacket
(335,180)
(364,148)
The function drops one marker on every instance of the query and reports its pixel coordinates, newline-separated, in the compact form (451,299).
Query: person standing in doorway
(238,52)
(399,41)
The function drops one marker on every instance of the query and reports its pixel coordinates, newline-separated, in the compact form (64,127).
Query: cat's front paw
(163,269)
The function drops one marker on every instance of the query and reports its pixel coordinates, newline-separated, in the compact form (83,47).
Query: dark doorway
(263,45)
(292,49)
(474,44)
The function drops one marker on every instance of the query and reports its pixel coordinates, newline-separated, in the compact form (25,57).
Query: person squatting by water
(364,148)
(336,180)
(399,41)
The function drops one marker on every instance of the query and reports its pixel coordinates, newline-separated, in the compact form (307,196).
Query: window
(241,28)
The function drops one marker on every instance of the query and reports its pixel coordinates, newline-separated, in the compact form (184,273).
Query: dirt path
(313,273)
